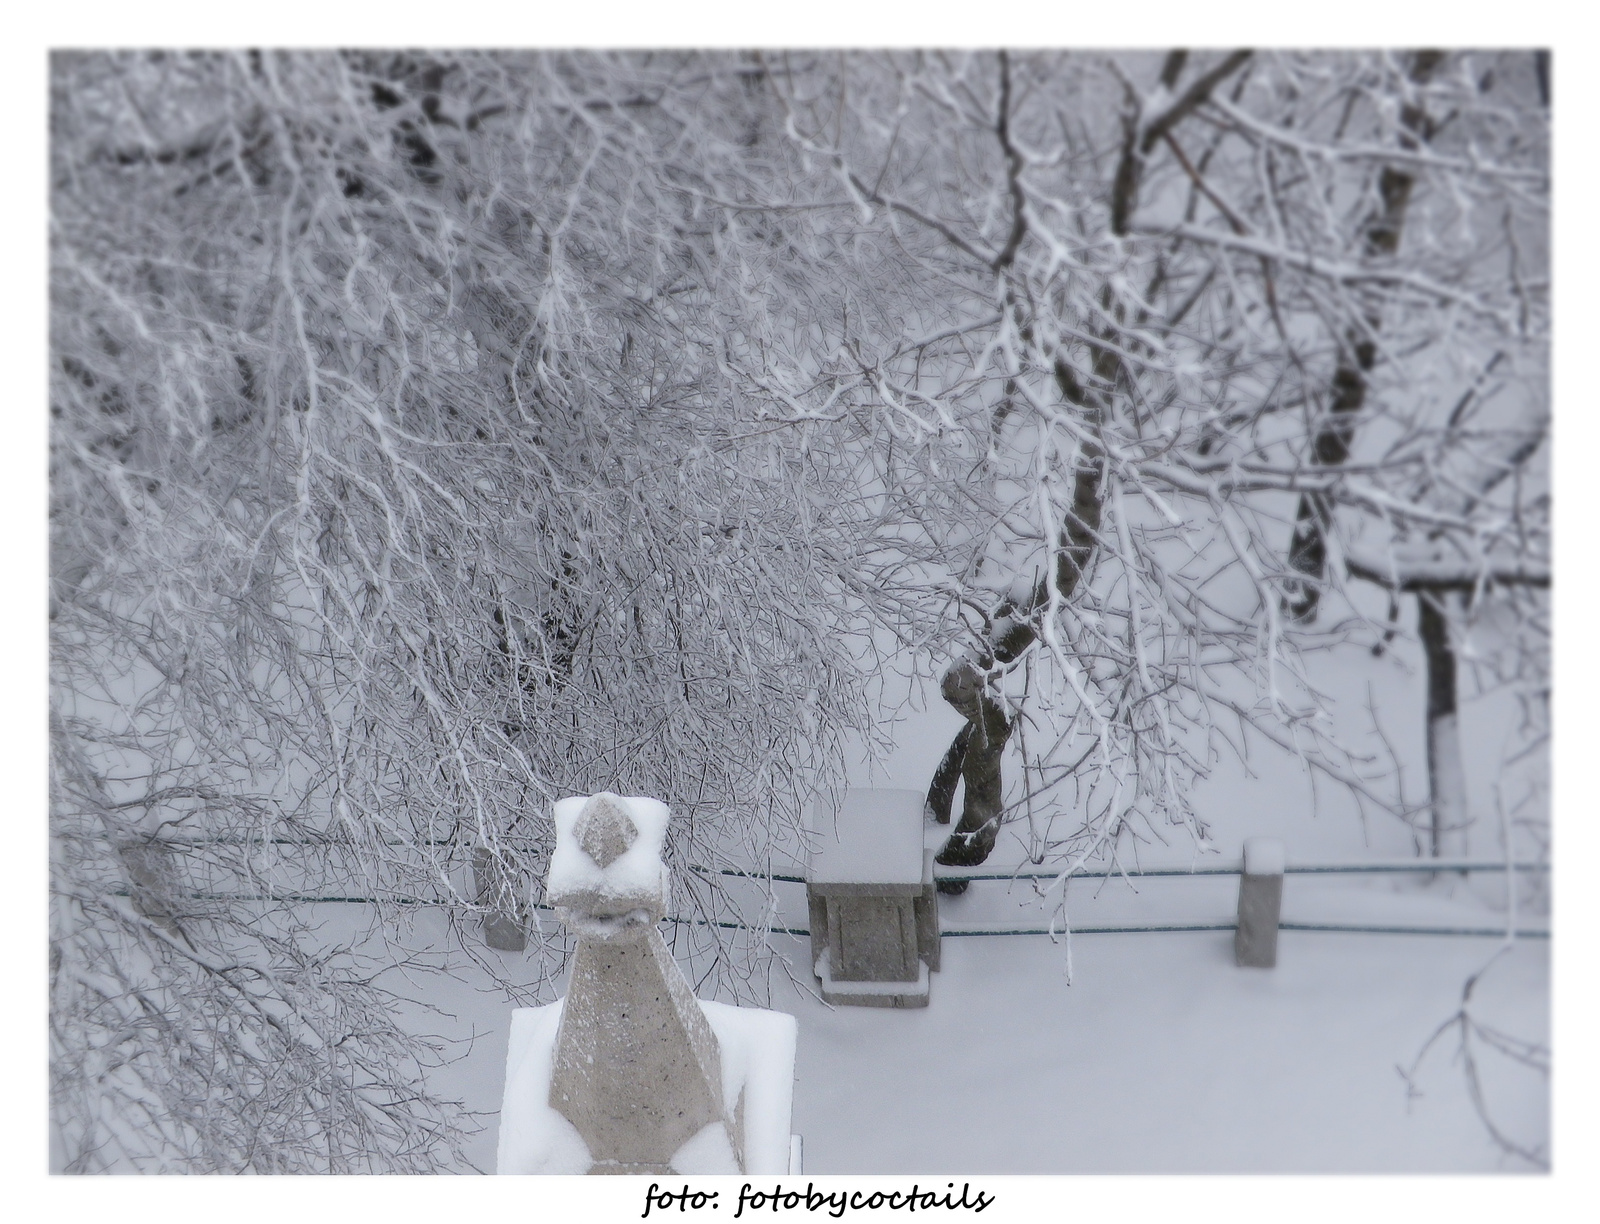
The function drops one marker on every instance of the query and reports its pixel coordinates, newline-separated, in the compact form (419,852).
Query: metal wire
(1398,866)
(1342,928)
(1404,866)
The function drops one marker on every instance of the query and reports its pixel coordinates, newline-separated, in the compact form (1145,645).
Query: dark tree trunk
(976,752)
(1308,549)
(942,791)
(978,748)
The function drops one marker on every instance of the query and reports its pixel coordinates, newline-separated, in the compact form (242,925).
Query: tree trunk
(979,746)
(1308,549)
(942,791)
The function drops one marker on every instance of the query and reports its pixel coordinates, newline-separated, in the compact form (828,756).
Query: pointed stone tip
(604,830)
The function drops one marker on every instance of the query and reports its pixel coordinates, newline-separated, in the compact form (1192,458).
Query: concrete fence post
(630,1073)
(504,930)
(148,865)
(1255,939)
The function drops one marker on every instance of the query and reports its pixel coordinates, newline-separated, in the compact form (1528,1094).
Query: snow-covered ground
(1164,1057)
(1161,1055)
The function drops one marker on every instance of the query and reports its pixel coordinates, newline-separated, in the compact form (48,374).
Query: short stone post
(503,930)
(150,884)
(874,909)
(1255,939)
(630,1073)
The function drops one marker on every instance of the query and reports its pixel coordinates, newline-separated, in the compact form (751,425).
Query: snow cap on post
(1263,856)
(606,874)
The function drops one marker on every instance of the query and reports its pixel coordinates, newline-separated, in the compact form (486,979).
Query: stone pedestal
(637,1069)
(757,1050)
(873,905)
(1255,939)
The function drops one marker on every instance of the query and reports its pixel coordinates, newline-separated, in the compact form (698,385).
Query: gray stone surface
(926,912)
(151,883)
(818,907)
(637,1069)
(912,993)
(1255,940)
(604,831)
(872,939)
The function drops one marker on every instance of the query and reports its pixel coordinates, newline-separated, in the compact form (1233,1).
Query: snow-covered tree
(1178,344)
(436,435)
(399,488)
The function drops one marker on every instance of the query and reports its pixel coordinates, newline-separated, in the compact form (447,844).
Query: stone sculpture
(630,1073)
(637,1067)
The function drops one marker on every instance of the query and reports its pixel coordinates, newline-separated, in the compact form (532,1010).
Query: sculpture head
(606,877)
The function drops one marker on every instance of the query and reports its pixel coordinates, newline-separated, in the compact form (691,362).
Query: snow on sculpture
(630,1073)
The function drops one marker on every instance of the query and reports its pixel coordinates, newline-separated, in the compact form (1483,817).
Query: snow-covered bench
(874,909)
